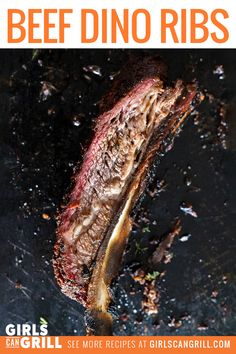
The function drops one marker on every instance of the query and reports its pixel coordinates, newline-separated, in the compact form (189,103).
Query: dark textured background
(42,136)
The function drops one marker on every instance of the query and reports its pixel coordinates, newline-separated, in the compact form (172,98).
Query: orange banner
(121,345)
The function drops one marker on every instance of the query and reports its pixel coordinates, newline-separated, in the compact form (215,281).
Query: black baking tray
(48,103)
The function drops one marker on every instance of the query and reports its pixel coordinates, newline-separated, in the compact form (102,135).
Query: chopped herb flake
(42,321)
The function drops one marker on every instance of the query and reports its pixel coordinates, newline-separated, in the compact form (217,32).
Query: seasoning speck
(185,238)
(45,216)
(43,321)
(18,285)
(187,208)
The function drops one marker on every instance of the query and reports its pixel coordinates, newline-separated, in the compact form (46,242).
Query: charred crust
(83,236)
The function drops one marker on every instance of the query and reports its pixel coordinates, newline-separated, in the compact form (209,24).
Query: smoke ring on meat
(138,123)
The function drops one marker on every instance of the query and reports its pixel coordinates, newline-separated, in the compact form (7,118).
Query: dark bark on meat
(139,122)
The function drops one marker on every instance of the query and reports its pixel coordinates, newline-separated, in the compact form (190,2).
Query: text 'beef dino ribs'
(94,226)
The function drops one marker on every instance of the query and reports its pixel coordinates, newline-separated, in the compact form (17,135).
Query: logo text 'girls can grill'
(30,336)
